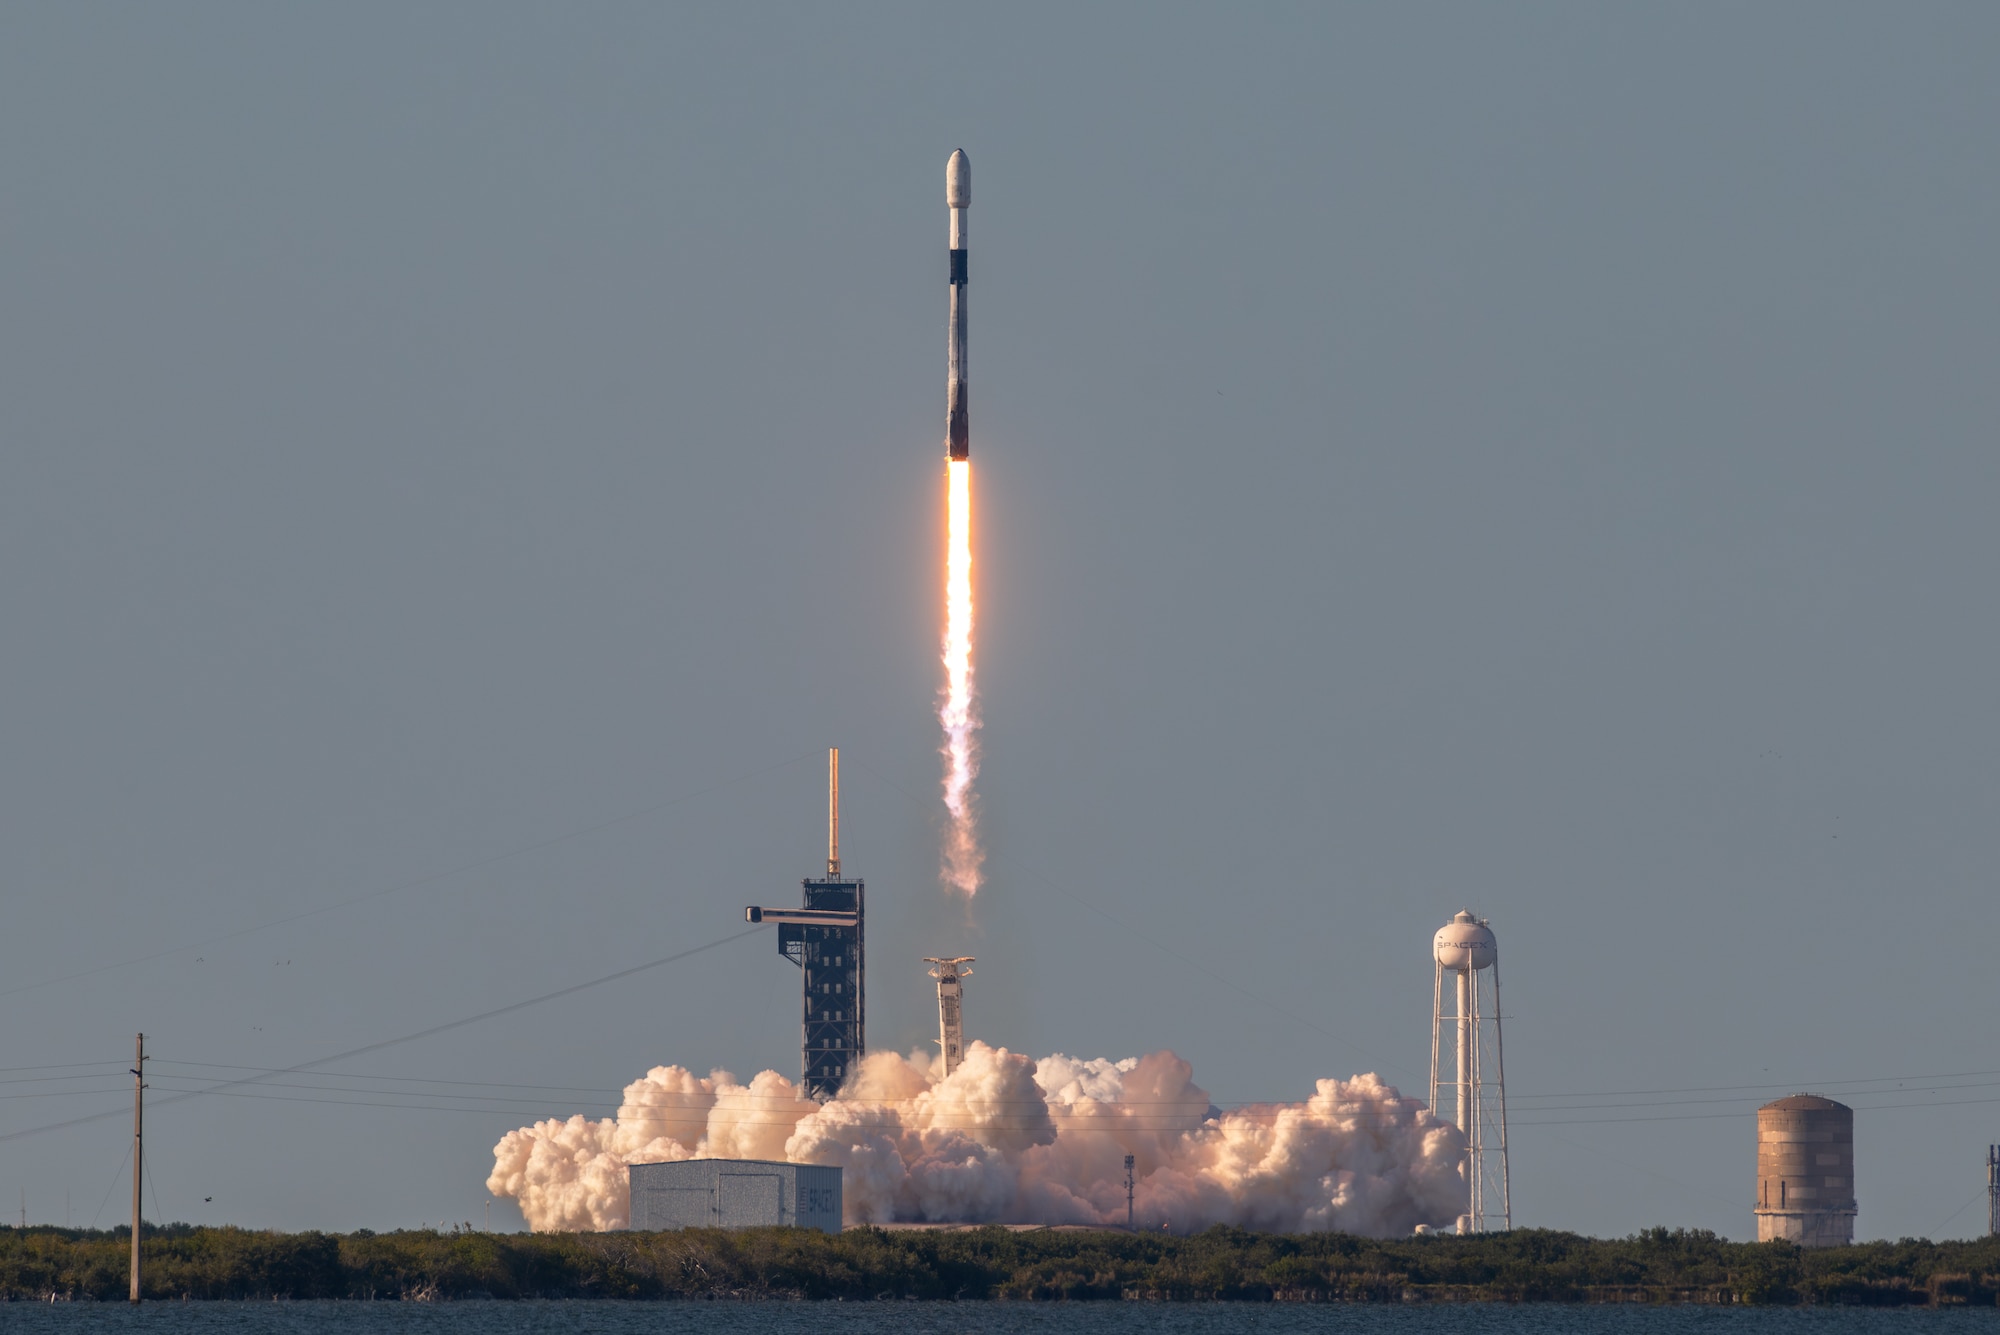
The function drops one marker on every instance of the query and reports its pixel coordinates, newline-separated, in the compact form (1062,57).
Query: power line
(416,883)
(42,1079)
(1956,1213)
(159,1215)
(64,1093)
(1740,1098)
(1626,1163)
(736,1099)
(397,1079)
(696,1116)
(1125,926)
(113,1187)
(395,1042)
(1107,1116)
(1697,1117)
(1778,1084)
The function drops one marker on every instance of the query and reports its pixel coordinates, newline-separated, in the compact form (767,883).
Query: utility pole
(138,1153)
(1128,1193)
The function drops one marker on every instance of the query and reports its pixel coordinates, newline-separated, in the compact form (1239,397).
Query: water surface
(982,1318)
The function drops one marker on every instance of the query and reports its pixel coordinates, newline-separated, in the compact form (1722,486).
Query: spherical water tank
(1805,1171)
(1465,943)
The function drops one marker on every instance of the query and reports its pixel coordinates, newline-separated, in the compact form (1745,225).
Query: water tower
(1468,1036)
(1805,1171)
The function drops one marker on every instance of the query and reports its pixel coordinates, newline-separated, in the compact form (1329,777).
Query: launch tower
(823,937)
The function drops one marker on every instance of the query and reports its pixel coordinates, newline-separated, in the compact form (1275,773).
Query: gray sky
(1537,458)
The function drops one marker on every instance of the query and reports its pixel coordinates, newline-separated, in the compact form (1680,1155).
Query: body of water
(910,1318)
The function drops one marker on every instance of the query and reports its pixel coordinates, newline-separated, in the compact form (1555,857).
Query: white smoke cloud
(1009,1140)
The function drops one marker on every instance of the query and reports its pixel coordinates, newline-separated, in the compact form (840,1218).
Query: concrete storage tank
(1805,1171)
(735,1193)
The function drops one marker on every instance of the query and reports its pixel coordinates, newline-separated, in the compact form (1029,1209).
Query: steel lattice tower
(1993,1190)
(824,938)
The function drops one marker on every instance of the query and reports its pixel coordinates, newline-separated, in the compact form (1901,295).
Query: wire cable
(741,1098)
(1122,924)
(113,1187)
(159,1215)
(1777,1084)
(396,1042)
(1920,1079)
(416,883)
(1953,1218)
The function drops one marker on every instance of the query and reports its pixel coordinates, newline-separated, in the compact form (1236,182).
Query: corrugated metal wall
(735,1193)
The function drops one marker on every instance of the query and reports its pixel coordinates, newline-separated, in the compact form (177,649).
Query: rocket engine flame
(1006,1139)
(958,710)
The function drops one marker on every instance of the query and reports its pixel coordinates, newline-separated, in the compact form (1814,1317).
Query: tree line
(1526,1265)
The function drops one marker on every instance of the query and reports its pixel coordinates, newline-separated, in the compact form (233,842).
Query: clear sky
(476,457)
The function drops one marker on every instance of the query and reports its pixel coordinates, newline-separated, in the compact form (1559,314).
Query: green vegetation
(867,1263)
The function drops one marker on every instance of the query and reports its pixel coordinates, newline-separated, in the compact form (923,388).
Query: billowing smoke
(1005,1139)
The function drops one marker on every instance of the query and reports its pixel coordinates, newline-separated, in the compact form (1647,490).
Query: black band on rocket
(958,268)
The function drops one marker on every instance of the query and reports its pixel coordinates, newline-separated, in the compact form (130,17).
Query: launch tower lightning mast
(951,1018)
(1465,948)
(824,938)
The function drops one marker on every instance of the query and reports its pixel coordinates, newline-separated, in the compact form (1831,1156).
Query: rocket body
(957,197)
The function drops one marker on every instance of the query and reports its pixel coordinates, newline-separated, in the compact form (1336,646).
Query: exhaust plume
(958,711)
(1005,1139)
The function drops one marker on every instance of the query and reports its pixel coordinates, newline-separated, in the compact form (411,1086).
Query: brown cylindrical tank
(1805,1171)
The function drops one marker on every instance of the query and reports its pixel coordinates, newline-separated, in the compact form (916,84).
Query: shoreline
(863,1264)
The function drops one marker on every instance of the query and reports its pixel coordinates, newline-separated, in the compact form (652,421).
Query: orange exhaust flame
(957,710)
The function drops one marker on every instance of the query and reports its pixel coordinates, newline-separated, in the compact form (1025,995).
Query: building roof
(1804,1103)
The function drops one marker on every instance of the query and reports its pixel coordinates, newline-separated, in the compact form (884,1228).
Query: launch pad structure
(823,936)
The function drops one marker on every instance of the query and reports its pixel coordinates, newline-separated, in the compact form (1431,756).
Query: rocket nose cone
(958,181)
